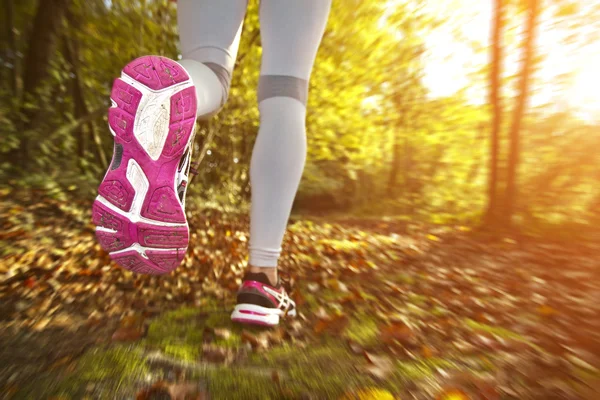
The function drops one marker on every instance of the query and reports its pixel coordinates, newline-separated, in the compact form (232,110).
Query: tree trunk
(492,214)
(514,153)
(42,41)
(396,152)
(79,106)
(12,46)
(393,178)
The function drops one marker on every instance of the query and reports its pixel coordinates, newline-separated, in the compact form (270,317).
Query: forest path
(411,310)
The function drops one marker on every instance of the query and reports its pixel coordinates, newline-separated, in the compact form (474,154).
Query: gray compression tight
(291,31)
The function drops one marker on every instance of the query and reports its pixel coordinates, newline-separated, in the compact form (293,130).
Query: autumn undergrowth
(382,305)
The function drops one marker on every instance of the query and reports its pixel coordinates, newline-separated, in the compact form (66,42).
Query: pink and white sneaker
(260,303)
(140,209)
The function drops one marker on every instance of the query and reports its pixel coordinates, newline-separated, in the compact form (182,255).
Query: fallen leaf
(379,366)
(41,324)
(312,287)
(433,238)
(334,324)
(127,334)
(453,394)
(29,282)
(216,354)
(398,331)
(222,333)
(427,351)
(275,377)
(546,311)
(256,341)
(355,347)
(173,391)
(368,394)
(276,335)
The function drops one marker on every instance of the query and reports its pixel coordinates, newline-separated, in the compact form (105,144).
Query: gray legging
(291,31)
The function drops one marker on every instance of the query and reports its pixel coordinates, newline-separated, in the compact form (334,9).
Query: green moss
(311,300)
(180,314)
(586,374)
(180,333)
(362,329)
(218,320)
(330,295)
(326,371)
(498,331)
(405,278)
(177,333)
(182,351)
(123,363)
(415,310)
(438,311)
(233,341)
(421,369)
(501,332)
(417,299)
(113,369)
(235,383)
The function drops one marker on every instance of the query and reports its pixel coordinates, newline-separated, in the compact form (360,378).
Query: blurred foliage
(378,142)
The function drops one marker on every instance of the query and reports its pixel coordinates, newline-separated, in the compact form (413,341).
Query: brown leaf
(222,333)
(334,325)
(321,313)
(61,362)
(187,391)
(465,386)
(355,347)
(41,324)
(299,298)
(216,354)
(174,391)
(130,321)
(427,351)
(398,331)
(256,341)
(453,394)
(546,311)
(276,336)
(131,327)
(275,377)
(296,328)
(9,390)
(127,334)
(379,366)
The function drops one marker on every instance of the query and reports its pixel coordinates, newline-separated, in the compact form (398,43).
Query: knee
(212,82)
(282,86)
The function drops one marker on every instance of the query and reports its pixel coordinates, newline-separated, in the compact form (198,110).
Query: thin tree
(12,46)
(521,102)
(496,103)
(46,25)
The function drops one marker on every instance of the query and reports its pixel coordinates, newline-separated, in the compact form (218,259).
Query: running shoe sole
(257,315)
(139,219)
